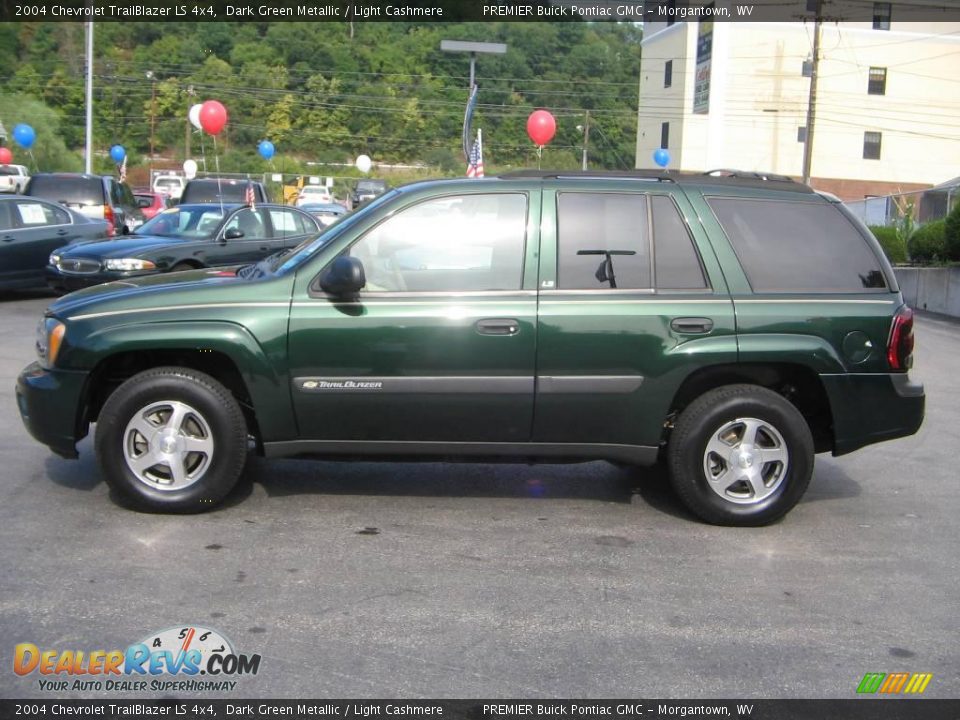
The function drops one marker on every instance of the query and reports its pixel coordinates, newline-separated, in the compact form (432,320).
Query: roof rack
(719,177)
(649,175)
(748,174)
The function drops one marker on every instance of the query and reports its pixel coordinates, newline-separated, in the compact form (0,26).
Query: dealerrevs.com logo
(170,660)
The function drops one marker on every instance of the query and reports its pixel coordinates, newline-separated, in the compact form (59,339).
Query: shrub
(952,234)
(892,243)
(928,243)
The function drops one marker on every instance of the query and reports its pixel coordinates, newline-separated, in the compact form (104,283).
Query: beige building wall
(758,100)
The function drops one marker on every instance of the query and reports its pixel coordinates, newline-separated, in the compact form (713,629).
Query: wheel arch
(225,351)
(798,383)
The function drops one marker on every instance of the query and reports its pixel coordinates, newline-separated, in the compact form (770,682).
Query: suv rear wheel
(171,440)
(740,455)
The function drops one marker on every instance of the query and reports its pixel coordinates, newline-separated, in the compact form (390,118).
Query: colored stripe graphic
(871,682)
(893,683)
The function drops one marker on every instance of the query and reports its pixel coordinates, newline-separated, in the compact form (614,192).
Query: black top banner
(853,709)
(447,11)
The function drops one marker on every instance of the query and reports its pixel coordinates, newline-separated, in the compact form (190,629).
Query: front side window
(798,246)
(455,243)
(603,241)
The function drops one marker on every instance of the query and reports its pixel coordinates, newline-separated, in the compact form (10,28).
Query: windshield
(292,260)
(371,185)
(184,221)
(168,183)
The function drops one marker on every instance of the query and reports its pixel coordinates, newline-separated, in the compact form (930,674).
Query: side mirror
(233,234)
(345,276)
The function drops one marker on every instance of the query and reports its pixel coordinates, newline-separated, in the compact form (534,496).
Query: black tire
(212,418)
(784,472)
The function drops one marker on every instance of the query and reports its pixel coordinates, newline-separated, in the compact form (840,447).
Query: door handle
(61,233)
(692,325)
(498,326)
(8,238)
(264,248)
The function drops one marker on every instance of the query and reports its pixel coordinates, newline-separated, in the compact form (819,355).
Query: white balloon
(364,163)
(194,115)
(190,169)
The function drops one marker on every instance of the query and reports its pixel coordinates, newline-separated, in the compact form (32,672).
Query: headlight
(128,264)
(49,338)
(53,259)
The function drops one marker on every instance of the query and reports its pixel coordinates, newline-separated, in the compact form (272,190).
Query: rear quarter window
(798,247)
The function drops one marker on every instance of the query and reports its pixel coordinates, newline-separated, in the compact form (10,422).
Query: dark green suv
(731,326)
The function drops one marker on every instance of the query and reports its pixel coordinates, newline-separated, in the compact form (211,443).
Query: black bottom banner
(853,709)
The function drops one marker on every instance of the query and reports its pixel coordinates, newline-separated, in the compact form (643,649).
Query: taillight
(108,216)
(900,345)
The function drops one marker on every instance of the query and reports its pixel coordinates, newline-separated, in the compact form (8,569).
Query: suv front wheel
(171,440)
(740,455)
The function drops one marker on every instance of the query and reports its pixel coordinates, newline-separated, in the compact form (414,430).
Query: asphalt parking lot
(435,580)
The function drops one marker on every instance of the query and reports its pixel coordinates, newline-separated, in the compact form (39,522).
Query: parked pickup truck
(729,326)
(13,178)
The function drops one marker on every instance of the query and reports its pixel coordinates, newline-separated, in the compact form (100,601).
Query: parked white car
(172,185)
(13,178)
(310,194)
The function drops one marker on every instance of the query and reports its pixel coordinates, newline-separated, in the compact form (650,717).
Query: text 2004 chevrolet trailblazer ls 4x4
(732,326)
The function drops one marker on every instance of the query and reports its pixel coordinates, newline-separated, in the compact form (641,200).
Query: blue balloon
(266,149)
(24,135)
(661,157)
(117,153)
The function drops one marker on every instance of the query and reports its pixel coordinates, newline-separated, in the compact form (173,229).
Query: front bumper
(63,282)
(872,408)
(50,403)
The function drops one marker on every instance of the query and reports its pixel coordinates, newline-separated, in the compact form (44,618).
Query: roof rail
(648,175)
(749,175)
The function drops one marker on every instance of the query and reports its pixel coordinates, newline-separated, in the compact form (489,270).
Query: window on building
(668,73)
(807,68)
(665,135)
(871,145)
(671,10)
(881,16)
(877,84)
(602,241)
(766,234)
(801,134)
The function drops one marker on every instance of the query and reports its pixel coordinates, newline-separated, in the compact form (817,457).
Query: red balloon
(6,157)
(213,117)
(541,127)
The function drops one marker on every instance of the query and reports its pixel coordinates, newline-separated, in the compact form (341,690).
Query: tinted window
(6,219)
(70,190)
(230,191)
(603,241)
(675,257)
(465,243)
(797,247)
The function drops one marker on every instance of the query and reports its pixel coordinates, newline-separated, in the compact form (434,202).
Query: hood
(158,290)
(124,246)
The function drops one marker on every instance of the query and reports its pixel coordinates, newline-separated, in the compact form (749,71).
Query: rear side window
(676,260)
(602,241)
(69,190)
(797,247)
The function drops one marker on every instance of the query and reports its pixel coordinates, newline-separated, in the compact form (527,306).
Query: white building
(887,115)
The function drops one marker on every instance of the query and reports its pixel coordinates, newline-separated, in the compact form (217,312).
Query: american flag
(475,166)
(249,197)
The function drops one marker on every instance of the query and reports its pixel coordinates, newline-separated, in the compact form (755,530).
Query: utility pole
(153,112)
(812,99)
(586,138)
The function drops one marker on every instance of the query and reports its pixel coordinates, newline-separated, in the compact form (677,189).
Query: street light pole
(88,145)
(473,48)
(812,98)
(585,129)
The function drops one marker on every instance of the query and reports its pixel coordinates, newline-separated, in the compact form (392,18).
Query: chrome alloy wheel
(168,445)
(745,461)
